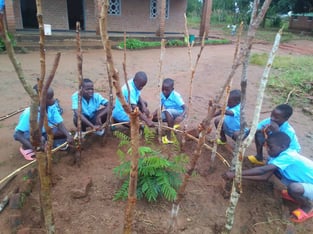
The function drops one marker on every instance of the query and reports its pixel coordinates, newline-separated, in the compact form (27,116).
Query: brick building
(140,16)
(301,23)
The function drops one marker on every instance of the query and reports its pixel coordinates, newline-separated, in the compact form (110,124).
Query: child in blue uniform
(277,122)
(231,124)
(55,121)
(135,86)
(94,108)
(294,170)
(172,106)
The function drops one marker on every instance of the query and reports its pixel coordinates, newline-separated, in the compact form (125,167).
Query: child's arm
(62,128)
(101,113)
(256,173)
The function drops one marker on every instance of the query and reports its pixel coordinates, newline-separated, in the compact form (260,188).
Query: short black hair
(87,80)
(141,76)
(285,109)
(235,94)
(168,81)
(279,138)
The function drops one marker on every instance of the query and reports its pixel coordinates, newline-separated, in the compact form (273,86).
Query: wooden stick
(241,144)
(79,56)
(159,111)
(12,113)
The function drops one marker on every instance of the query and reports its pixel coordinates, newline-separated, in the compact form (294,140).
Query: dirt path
(203,208)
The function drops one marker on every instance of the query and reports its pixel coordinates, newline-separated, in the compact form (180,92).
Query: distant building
(301,22)
(139,16)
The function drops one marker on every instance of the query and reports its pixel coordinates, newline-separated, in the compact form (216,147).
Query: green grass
(291,75)
(135,44)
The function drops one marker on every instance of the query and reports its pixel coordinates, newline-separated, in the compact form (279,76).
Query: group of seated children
(94,112)
(284,161)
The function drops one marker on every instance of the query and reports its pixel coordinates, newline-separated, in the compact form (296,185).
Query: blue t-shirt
(174,101)
(90,108)
(233,121)
(293,166)
(118,112)
(53,116)
(1,5)
(286,128)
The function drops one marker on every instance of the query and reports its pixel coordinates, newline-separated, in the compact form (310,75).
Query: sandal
(166,141)
(300,215)
(220,142)
(28,154)
(285,195)
(254,160)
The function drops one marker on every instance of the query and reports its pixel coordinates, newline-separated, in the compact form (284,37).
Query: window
(154,9)
(114,7)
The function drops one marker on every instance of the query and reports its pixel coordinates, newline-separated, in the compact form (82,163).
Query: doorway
(75,10)
(29,13)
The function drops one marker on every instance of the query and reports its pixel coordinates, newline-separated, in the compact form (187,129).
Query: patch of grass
(2,45)
(291,76)
(135,44)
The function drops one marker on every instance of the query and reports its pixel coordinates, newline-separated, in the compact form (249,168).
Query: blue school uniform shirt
(286,128)
(1,5)
(90,108)
(53,116)
(293,167)
(233,122)
(174,101)
(118,112)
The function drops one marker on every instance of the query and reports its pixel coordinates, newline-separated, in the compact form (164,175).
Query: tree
(194,7)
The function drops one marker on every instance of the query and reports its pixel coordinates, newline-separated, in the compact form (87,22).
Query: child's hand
(273,127)
(69,139)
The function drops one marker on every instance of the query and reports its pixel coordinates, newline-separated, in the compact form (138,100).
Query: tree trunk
(205,18)
(161,9)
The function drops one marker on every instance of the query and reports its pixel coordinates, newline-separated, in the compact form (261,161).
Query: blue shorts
(173,112)
(230,132)
(308,191)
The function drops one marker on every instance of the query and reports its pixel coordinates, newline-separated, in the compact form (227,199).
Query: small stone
(82,192)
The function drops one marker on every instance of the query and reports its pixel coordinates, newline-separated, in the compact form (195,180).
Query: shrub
(158,176)
(2,45)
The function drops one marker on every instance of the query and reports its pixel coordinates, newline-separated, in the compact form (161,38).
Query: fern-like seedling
(157,176)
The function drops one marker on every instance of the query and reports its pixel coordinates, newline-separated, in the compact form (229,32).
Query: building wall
(137,19)
(301,23)
(135,16)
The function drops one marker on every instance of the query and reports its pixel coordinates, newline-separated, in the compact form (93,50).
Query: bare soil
(260,209)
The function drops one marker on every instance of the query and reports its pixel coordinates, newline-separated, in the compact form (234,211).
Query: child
(91,114)
(173,108)
(277,122)
(135,86)
(55,121)
(231,124)
(294,170)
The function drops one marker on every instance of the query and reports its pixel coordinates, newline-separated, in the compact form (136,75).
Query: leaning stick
(129,211)
(12,113)
(256,18)
(159,111)
(226,89)
(79,57)
(224,161)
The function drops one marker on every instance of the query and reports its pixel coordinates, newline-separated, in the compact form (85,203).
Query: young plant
(157,175)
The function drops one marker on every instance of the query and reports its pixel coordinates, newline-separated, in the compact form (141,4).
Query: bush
(2,45)
(158,176)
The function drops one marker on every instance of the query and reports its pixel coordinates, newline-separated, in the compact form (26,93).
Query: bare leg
(259,143)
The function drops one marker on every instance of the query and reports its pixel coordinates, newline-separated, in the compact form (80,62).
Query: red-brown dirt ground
(260,208)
